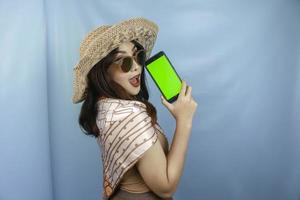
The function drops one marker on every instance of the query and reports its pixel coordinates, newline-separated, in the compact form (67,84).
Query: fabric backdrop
(242,59)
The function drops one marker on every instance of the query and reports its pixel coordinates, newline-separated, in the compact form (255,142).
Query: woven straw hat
(102,40)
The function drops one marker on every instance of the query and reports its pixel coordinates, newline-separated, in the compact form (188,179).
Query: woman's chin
(134,91)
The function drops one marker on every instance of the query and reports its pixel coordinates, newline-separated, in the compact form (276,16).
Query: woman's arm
(162,172)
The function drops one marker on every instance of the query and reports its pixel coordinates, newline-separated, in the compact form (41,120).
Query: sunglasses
(126,62)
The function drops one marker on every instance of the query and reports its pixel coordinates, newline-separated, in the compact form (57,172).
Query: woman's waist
(149,195)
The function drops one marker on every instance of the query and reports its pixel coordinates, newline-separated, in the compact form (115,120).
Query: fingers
(189,91)
(186,90)
(183,89)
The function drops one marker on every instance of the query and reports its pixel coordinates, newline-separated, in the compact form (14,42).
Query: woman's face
(125,78)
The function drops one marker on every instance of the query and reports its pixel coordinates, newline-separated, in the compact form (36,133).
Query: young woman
(137,160)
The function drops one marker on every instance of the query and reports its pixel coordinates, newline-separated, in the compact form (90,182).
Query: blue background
(242,59)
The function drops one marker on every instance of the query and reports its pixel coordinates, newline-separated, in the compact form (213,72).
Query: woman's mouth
(135,81)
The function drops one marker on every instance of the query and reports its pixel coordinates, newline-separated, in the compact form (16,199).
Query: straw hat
(102,40)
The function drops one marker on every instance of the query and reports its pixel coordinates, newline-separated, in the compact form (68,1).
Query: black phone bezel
(153,58)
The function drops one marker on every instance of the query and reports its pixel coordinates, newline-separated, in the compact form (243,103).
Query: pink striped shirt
(125,134)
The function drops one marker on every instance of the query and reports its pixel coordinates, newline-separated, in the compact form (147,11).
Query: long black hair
(101,84)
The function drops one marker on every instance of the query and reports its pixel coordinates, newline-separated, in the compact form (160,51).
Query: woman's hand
(184,107)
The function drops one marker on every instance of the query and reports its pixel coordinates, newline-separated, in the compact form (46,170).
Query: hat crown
(90,37)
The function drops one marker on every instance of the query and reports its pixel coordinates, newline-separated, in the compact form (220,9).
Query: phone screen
(164,75)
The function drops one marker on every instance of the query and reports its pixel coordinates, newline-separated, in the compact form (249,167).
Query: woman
(110,78)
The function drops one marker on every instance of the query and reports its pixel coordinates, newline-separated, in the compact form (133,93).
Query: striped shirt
(125,134)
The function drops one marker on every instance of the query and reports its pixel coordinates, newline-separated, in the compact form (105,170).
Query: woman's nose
(135,66)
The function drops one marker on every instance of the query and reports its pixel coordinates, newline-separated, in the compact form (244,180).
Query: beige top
(125,134)
(132,180)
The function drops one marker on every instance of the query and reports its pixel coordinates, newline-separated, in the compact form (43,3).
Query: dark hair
(100,84)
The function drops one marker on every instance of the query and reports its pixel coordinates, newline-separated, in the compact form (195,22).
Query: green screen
(165,77)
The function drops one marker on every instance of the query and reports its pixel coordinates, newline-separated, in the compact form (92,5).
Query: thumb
(165,102)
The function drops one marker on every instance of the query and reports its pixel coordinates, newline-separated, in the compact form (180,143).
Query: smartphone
(164,75)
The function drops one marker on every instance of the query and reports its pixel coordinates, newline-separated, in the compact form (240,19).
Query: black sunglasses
(126,62)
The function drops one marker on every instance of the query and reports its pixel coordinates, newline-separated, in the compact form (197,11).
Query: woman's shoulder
(110,109)
(111,104)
